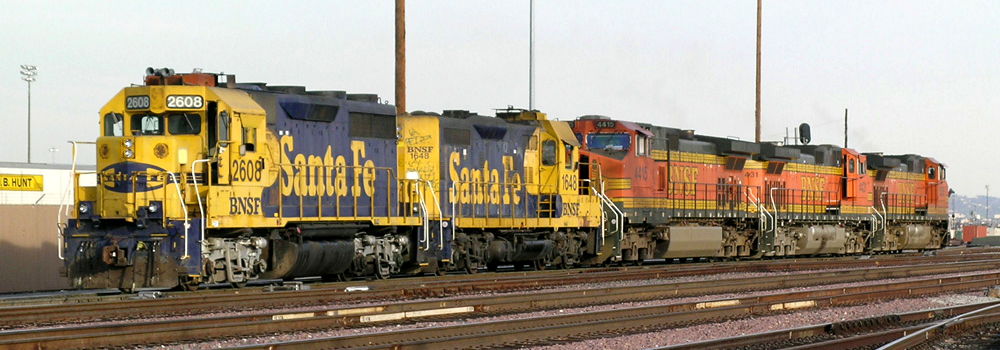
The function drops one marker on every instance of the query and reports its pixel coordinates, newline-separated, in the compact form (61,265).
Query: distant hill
(973,207)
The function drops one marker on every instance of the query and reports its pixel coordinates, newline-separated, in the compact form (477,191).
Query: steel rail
(403,289)
(685,269)
(865,332)
(183,329)
(951,325)
(535,330)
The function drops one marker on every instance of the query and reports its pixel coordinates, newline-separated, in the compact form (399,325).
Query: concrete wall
(28,249)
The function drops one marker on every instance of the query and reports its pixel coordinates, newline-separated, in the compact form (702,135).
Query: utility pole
(531,55)
(400,57)
(28,73)
(845,127)
(757,106)
(989,222)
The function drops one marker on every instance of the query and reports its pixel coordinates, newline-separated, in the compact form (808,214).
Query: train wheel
(382,271)
(338,277)
(469,268)
(442,269)
(189,284)
(190,287)
(562,265)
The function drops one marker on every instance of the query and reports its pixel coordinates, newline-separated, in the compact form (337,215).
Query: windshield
(184,124)
(609,142)
(147,124)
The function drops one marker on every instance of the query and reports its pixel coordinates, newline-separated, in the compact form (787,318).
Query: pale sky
(918,76)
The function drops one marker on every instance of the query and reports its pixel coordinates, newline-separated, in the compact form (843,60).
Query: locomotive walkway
(506,333)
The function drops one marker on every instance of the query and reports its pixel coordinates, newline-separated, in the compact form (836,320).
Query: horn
(804,134)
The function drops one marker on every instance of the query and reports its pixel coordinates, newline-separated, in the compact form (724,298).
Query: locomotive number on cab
(570,182)
(137,102)
(185,101)
(247,170)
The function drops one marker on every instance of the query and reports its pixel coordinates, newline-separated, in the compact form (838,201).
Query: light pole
(52,153)
(757,97)
(531,55)
(28,73)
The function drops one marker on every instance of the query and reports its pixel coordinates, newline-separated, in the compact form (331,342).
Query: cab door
(222,128)
(548,169)
(852,173)
(933,176)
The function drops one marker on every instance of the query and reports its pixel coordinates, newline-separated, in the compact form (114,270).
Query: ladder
(767,224)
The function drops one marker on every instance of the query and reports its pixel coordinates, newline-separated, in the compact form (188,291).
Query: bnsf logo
(684,179)
(244,205)
(814,187)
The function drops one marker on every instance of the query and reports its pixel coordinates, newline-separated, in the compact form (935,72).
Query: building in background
(30,195)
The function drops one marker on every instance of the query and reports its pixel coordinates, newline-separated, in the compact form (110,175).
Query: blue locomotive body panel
(336,157)
(483,165)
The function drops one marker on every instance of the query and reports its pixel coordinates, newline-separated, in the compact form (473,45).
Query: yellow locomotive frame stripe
(711,159)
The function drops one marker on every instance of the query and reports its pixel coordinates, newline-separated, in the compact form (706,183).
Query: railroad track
(676,270)
(542,330)
(404,289)
(891,332)
(167,331)
(664,270)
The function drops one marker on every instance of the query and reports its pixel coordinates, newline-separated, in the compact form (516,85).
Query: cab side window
(549,155)
(249,139)
(569,157)
(223,126)
(114,124)
(931,173)
(640,145)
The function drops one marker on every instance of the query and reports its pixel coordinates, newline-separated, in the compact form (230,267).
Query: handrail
(774,207)
(437,203)
(764,213)
(885,217)
(619,215)
(879,216)
(454,214)
(197,194)
(424,219)
(63,209)
(390,180)
(187,224)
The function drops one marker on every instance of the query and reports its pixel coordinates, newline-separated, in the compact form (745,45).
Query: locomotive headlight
(128,143)
(129,153)
(152,208)
(83,208)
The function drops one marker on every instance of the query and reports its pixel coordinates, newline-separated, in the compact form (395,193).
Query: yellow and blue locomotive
(202,179)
